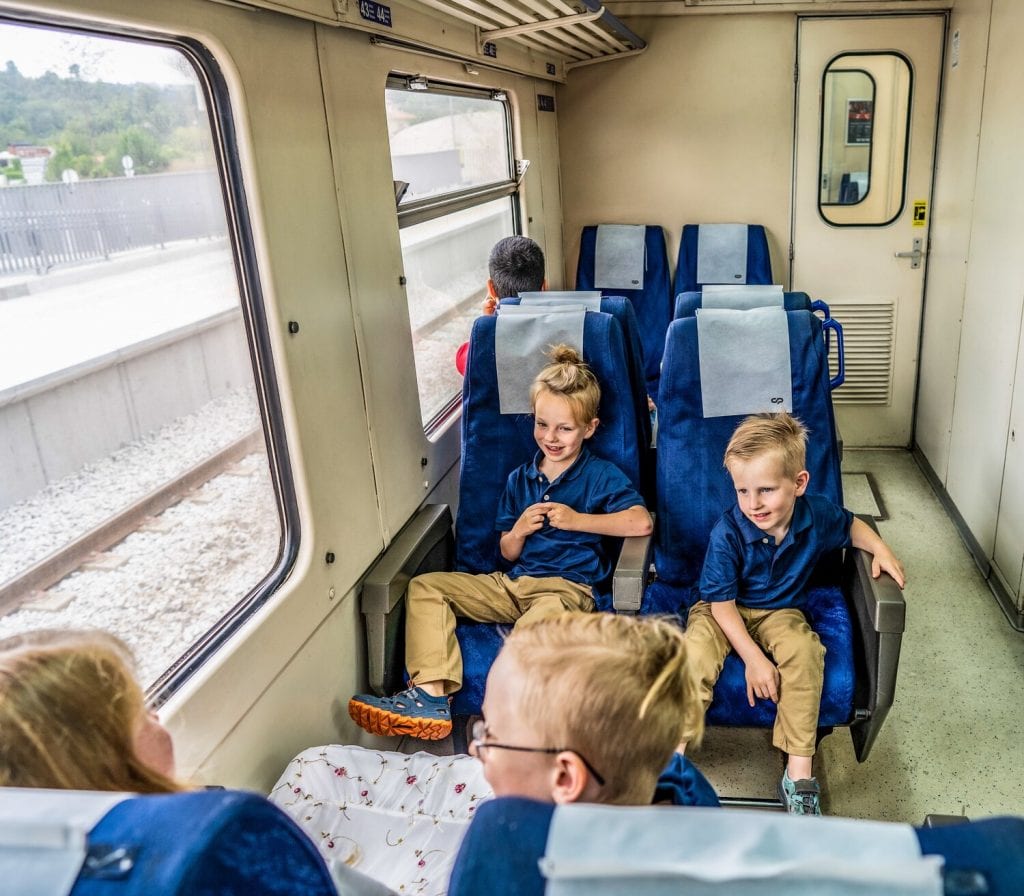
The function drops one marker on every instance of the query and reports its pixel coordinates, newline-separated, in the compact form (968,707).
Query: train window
(864,131)
(135,490)
(453,148)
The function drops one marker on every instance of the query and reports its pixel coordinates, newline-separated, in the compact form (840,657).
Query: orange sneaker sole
(389,724)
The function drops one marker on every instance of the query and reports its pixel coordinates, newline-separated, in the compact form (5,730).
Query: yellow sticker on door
(920,213)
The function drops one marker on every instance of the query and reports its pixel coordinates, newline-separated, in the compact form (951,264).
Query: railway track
(19,590)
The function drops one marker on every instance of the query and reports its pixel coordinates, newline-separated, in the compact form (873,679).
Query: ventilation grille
(868,330)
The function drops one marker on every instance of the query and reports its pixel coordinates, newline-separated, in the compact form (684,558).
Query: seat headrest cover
(666,850)
(722,253)
(744,361)
(44,837)
(620,256)
(522,338)
(589,298)
(742,297)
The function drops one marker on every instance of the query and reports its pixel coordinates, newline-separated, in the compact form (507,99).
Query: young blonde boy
(589,708)
(552,516)
(760,558)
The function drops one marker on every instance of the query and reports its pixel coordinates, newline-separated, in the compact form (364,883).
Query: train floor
(952,742)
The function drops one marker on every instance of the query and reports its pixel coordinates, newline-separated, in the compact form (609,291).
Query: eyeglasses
(480,742)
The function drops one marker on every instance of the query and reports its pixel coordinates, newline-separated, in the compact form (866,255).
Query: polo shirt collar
(801,520)
(567,475)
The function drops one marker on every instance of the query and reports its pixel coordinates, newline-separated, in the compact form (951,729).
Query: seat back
(722,253)
(510,842)
(693,486)
(219,842)
(687,303)
(613,257)
(494,444)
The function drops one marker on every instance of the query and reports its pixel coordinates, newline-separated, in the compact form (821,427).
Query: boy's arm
(511,543)
(633,520)
(863,537)
(762,675)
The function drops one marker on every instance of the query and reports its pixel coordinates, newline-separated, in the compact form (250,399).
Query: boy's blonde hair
(781,434)
(570,377)
(612,688)
(69,708)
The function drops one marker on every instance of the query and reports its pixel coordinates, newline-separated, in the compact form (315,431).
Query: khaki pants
(794,648)
(435,599)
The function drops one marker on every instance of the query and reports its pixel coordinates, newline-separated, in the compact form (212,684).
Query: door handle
(914,254)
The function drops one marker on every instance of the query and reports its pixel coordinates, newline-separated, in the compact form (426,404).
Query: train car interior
(241,242)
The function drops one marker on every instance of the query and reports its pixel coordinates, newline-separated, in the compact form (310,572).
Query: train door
(866,113)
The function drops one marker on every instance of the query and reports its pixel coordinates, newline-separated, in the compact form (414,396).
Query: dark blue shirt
(590,485)
(744,564)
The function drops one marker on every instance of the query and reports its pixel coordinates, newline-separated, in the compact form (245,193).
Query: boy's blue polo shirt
(744,564)
(590,485)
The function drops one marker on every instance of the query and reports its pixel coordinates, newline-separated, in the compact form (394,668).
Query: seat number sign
(377,13)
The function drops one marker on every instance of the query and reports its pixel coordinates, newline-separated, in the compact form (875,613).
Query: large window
(452,148)
(135,490)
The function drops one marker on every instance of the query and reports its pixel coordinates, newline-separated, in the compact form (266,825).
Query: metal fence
(50,224)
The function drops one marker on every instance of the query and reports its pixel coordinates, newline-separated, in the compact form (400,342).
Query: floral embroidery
(460,787)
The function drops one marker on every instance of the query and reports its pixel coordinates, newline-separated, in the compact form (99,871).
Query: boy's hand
(885,561)
(531,520)
(762,680)
(561,516)
(490,305)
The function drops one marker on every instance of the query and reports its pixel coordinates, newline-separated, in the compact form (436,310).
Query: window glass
(865,109)
(444,144)
(446,278)
(135,490)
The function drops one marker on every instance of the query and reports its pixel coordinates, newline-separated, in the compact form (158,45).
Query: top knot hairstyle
(516,265)
(571,378)
(780,434)
(615,688)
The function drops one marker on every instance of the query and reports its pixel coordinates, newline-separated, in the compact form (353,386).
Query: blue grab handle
(832,324)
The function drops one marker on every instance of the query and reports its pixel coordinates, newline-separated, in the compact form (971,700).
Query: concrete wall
(55,425)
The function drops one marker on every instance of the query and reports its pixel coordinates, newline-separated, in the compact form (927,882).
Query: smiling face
(557,431)
(766,495)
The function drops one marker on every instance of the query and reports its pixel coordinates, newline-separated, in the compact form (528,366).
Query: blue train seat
(493,444)
(764,296)
(631,260)
(222,842)
(622,310)
(722,253)
(508,851)
(859,620)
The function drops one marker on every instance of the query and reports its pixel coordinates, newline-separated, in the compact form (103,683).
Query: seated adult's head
(73,716)
(585,707)
(516,265)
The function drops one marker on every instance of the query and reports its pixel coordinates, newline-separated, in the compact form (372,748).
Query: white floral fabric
(397,818)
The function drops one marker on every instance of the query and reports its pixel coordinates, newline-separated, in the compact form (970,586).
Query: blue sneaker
(412,711)
(801,797)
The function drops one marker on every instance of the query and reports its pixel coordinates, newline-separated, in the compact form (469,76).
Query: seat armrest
(878,612)
(630,577)
(425,544)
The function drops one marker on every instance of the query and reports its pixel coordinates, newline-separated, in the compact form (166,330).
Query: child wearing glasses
(553,517)
(589,708)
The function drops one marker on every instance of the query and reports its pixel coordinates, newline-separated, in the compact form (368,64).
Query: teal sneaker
(802,797)
(412,711)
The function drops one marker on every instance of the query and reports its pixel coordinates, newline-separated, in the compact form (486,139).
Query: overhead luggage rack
(582,32)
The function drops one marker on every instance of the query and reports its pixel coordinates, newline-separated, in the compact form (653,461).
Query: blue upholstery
(653,303)
(694,489)
(622,310)
(687,303)
(494,444)
(209,843)
(759,263)
(508,837)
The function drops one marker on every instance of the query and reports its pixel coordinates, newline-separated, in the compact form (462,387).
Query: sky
(36,50)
